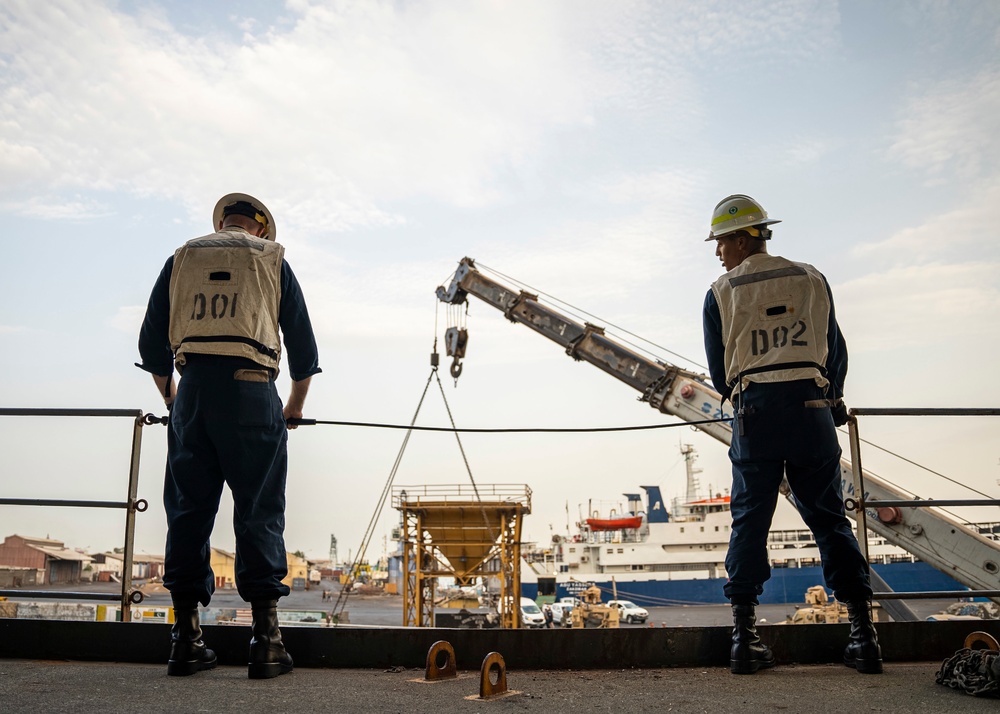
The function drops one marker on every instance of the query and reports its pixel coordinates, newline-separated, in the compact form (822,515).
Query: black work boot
(863,651)
(188,653)
(748,653)
(268,657)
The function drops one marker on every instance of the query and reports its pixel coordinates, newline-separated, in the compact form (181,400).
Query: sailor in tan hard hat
(218,313)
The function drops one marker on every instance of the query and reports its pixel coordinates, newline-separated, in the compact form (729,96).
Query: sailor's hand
(291,412)
(839,413)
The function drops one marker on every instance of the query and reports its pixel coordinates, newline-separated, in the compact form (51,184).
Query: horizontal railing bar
(935,594)
(916,411)
(934,502)
(7,411)
(59,595)
(61,502)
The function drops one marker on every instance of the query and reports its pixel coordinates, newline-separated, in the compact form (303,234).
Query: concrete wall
(19,577)
(56,611)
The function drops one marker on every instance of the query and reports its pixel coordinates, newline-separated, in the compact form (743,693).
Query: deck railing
(860,504)
(131,505)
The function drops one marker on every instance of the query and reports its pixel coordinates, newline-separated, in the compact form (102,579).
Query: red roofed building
(51,558)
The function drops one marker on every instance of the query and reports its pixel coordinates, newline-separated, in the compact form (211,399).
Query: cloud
(922,306)
(11,329)
(346,110)
(67,208)
(955,232)
(128,319)
(804,150)
(362,104)
(948,129)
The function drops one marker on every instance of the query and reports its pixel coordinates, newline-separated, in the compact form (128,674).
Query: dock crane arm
(934,537)
(665,387)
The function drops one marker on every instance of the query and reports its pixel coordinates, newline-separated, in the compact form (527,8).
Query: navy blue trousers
(225,431)
(784,437)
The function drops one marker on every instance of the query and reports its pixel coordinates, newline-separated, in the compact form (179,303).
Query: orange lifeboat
(614,524)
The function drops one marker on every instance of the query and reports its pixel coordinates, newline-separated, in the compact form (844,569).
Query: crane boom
(934,537)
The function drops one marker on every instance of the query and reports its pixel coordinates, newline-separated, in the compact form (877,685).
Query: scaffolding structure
(464,532)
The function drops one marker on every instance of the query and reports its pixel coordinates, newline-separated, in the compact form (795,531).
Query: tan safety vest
(225,290)
(775,314)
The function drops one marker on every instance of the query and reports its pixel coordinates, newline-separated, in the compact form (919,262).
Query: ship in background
(655,555)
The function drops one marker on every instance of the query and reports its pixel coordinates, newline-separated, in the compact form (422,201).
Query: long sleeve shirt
(293,319)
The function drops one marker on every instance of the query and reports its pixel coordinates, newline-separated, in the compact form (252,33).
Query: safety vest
(775,315)
(225,290)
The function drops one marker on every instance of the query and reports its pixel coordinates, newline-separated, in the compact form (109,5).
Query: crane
(933,536)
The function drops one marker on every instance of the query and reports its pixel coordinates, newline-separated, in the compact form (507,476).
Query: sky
(578,147)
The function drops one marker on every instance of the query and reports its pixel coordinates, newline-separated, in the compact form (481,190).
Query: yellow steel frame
(424,561)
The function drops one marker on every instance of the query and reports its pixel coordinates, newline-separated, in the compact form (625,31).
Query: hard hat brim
(231,198)
(713,236)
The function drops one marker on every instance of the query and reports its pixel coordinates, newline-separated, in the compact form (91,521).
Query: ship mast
(692,472)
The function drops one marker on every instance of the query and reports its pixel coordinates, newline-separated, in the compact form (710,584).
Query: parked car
(561,614)
(629,612)
(531,614)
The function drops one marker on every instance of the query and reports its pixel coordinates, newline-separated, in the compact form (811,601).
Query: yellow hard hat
(738,212)
(245,205)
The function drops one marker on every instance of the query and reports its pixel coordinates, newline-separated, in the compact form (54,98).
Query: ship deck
(61,666)
(72,687)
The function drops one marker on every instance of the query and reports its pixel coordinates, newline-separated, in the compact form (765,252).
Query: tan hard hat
(261,214)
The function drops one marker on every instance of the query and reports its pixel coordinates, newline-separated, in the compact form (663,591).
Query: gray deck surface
(46,686)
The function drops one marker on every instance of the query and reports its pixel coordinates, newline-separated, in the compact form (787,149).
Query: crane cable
(352,573)
(386,490)
(571,307)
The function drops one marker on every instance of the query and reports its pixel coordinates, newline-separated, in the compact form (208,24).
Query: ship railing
(493,494)
(131,505)
(860,504)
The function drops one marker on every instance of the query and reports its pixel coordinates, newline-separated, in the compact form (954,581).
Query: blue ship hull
(787,585)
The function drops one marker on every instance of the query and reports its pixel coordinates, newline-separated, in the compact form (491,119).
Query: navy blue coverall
(226,431)
(784,437)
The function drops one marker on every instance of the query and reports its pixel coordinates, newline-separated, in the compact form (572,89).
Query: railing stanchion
(133,490)
(861,518)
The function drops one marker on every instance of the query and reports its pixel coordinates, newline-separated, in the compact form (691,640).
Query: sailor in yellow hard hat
(776,351)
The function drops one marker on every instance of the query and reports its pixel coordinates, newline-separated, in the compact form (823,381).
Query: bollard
(493,663)
(441,662)
(981,638)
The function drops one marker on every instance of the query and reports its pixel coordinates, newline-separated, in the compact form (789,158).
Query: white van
(629,612)
(531,614)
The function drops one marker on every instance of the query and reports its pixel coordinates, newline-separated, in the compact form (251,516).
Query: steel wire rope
(661,347)
(925,468)
(506,430)
(579,310)
(928,470)
(344,594)
(465,460)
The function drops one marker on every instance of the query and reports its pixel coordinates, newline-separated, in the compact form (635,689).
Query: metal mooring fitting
(492,664)
(440,662)
(981,638)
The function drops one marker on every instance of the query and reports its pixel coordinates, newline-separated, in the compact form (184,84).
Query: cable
(465,460)
(515,430)
(596,317)
(925,468)
(344,591)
